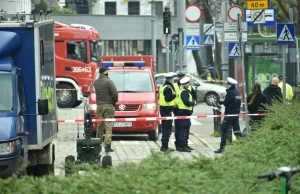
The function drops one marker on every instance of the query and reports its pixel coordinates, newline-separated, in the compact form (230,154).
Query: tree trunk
(198,62)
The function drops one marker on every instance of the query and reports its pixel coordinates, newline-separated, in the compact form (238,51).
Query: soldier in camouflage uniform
(106,99)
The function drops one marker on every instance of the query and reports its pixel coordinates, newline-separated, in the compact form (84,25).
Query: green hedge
(273,145)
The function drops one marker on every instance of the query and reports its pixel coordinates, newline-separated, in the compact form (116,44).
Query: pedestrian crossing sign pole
(234,50)
(285,33)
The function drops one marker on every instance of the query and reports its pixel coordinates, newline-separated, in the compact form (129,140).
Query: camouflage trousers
(105,111)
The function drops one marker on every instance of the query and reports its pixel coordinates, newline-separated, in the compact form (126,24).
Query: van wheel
(77,103)
(153,135)
(66,98)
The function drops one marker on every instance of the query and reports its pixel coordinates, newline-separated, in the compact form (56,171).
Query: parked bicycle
(285,173)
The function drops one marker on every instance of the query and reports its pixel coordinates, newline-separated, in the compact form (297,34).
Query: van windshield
(131,81)
(6,94)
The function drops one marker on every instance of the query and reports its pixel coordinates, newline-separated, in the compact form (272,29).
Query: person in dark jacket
(185,106)
(106,99)
(167,95)
(273,92)
(256,102)
(232,105)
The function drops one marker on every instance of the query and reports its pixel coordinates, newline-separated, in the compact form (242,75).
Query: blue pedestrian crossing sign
(208,40)
(285,33)
(234,50)
(192,42)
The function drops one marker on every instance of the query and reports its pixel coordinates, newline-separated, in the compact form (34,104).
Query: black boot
(183,149)
(108,149)
(165,149)
(190,148)
(219,151)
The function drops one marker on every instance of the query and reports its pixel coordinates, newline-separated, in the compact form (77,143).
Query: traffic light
(175,40)
(167,21)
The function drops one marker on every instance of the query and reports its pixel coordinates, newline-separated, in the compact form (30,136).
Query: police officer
(232,105)
(194,96)
(180,75)
(185,105)
(167,96)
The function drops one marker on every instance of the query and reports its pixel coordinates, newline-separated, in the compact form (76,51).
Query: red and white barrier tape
(154,118)
(218,81)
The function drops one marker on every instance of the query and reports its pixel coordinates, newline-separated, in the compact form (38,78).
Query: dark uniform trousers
(187,135)
(183,128)
(227,121)
(166,111)
(176,124)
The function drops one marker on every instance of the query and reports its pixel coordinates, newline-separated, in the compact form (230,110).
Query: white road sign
(269,15)
(232,26)
(233,37)
(233,12)
(192,31)
(258,16)
(193,13)
(208,29)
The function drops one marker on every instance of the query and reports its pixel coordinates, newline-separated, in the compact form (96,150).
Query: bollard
(217,120)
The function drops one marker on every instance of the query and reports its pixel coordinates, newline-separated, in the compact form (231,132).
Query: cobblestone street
(129,148)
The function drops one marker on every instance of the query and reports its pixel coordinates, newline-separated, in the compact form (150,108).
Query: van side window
(21,93)
(73,51)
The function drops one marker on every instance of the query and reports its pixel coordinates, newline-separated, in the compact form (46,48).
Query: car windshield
(131,81)
(6,95)
(95,50)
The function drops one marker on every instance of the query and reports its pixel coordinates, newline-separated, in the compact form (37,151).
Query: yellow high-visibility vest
(181,105)
(209,78)
(177,90)
(162,101)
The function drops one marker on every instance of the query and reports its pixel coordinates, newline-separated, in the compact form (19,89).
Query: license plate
(122,124)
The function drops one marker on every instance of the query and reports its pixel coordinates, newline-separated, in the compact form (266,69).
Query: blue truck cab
(28,111)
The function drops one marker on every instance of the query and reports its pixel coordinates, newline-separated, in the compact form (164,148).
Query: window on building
(158,8)
(133,8)
(110,8)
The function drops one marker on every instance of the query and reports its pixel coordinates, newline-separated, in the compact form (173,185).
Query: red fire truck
(77,56)
(134,79)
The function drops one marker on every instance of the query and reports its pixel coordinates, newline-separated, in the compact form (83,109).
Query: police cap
(231,81)
(185,80)
(180,73)
(169,75)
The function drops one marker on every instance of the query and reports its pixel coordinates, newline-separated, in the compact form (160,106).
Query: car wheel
(211,99)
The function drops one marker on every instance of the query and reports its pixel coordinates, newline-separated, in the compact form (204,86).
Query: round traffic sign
(193,13)
(233,12)
(259,16)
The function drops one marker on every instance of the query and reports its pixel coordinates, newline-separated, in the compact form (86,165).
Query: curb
(210,146)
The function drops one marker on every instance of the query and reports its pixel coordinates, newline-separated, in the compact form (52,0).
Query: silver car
(206,92)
